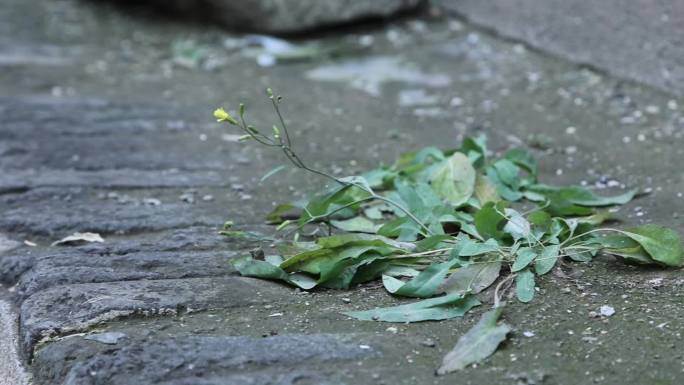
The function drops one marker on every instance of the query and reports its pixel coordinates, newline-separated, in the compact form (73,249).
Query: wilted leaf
(249,267)
(360,239)
(489,221)
(523,159)
(475,149)
(622,246)
(547,259)
(449,306)
(480,342)
(276,216)
(356,224)
(485,190)
(454,179)
(501,174)
(426,283)
(523,258)
(662,244)
(517,225)
(431,242)
(470,248)
(472,278)
(524,286)
(581,196)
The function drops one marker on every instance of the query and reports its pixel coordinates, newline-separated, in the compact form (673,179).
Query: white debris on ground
(606,310)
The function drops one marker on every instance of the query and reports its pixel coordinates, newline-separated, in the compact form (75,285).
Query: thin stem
(286,147)
(314,218)
(282,121)
(591,232)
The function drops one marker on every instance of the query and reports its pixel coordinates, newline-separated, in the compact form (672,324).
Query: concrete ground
(105,126)
(641,40)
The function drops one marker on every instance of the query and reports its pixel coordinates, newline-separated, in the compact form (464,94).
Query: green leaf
(524,286)
(540,218)
(426,283)
(380,177)
(547,259)
(664,245)
(504,175)
(595,219)
(276,216)
(332,264)
(392,284)
(472,278)
(485,190)
(433,309)
(470,248)
(432,242)
(517,226)
(581,196)
(341,274)
(632,255)
(523,258)
(453,179)
(356,224)
(249,267)
(480,342)
(475,149)
(489,221)
(523,159)
(332,201)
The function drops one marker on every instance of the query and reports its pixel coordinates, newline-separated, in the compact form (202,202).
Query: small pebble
(606,310)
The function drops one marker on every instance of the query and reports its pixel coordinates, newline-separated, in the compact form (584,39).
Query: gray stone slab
(641,40)
(20,180)
(67,268)
(71,308)
(25,117)
(60,212)
(13,266)
(177,243)
(220,360)
(94,134)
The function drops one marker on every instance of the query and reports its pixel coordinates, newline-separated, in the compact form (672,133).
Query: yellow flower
(222,116)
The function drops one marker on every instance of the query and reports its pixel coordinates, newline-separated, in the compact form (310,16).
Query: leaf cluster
(442,226)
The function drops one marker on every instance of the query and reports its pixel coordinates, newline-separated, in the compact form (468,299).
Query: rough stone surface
(119,139)
(190,240)
(72,308)
(218,360)
(641,40)
(60,212)
(292,15)
(66,268)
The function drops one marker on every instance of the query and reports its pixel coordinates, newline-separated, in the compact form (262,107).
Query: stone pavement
(104,129)
(641,40)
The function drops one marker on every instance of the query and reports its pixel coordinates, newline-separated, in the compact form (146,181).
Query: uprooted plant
(442,226)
